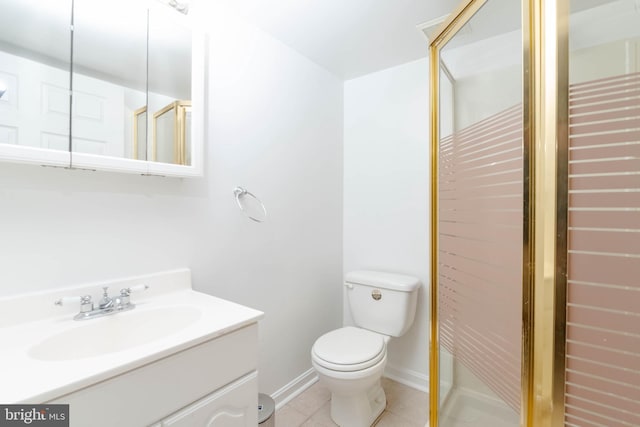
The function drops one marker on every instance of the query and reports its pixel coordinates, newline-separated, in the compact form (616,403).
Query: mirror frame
(74,160)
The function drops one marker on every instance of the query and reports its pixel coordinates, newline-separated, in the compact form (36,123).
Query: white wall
(386,192)
(484,94)
(275,127)
(604,60)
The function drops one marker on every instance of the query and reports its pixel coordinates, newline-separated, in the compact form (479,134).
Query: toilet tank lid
(378,279)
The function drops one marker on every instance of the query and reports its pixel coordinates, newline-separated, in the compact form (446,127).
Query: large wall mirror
(136,79)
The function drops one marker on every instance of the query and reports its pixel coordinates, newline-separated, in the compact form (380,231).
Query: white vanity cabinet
(211,384)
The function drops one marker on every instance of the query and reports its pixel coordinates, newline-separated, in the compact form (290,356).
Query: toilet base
(357,397)
(358,410)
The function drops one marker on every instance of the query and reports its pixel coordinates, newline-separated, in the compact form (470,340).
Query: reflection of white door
(98,117)
(34,111)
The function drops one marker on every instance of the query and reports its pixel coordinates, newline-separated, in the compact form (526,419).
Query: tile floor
(406,407)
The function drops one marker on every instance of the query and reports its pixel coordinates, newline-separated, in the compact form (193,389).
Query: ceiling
(349,38)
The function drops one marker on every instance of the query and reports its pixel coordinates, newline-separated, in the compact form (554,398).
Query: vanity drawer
(154,391)
(236,405)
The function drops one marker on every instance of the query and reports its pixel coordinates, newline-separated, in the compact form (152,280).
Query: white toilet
(350,360)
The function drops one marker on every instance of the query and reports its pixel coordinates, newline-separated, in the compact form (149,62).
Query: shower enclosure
(535,255)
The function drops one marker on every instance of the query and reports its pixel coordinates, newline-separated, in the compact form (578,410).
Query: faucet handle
(85,302)
(69,300)
(125,292)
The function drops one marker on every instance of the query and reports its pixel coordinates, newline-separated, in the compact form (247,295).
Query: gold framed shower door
(545,153)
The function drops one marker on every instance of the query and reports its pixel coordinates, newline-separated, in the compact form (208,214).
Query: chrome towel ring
(240,193)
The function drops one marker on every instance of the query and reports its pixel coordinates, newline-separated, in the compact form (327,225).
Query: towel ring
(240,192)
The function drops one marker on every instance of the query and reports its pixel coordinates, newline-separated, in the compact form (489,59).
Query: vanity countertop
(28,377)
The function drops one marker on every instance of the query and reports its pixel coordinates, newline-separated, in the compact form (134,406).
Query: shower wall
(603,310)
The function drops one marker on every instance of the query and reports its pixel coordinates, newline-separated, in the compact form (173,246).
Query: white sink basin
(118,332)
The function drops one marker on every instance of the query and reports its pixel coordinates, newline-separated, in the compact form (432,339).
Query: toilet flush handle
(349,285)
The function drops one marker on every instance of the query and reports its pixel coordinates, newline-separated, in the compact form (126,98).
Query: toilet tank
(382,302)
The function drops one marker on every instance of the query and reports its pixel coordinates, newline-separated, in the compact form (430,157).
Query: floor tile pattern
(406,407)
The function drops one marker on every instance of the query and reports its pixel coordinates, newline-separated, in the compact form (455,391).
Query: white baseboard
(294,388)
(410,378)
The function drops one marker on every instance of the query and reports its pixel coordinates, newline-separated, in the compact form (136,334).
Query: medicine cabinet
(115,86)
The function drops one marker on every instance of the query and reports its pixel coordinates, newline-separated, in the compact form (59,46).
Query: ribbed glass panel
(603,313)
(480,259)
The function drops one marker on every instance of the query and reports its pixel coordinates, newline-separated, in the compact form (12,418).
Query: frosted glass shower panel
(480,227)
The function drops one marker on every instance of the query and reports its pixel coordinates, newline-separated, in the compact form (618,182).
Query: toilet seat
(349,349)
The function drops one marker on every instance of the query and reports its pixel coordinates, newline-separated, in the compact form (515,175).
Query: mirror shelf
(33,155)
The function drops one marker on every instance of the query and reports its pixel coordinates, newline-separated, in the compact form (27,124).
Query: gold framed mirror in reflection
(171,129)
(139,151)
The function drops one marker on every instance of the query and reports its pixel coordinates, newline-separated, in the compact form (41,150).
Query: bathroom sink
(114,333)
(47,356)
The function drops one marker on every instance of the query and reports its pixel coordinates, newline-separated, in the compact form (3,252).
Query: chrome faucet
(106,306)
(106,302)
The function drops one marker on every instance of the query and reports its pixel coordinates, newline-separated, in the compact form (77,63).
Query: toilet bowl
(350,361)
